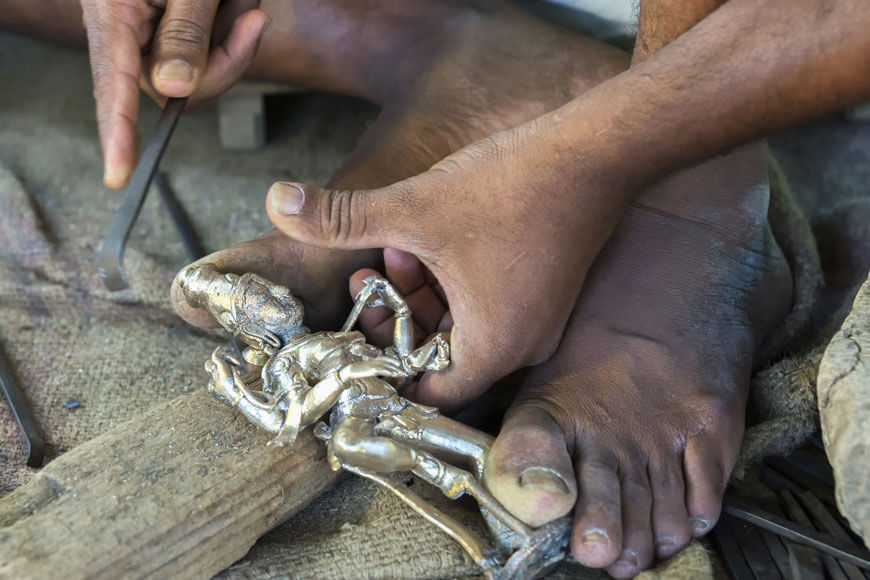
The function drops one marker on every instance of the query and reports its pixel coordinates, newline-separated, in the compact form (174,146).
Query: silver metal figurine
(372,430)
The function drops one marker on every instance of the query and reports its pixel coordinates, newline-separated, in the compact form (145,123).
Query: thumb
(181,46)
(341,219)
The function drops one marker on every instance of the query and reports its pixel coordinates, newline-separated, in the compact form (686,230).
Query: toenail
(595,537)
(665,544)
(544,478)
(286,198)
(627,561)
(700,525)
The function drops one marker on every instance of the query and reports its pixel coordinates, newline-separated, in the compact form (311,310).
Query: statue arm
(325,393)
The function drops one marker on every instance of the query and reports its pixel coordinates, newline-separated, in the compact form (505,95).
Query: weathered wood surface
(181,492)
(844,408)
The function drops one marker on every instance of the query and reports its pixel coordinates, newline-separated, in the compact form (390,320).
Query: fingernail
(175,70)
(286,198)
(114,176)
(543,478)
(700,525)
(595,537)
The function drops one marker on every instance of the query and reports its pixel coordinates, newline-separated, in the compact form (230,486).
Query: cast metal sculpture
(372,430)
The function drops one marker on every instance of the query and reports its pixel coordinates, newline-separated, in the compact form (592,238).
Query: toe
(636,504)
(597,537)
(529,469)
(670,521)
(706,478)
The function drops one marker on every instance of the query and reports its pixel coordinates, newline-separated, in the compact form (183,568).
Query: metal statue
(372,430)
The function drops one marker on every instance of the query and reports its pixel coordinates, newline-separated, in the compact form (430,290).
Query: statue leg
(354,448)
(450,526)
(510,533)
(354,443)
(425,429)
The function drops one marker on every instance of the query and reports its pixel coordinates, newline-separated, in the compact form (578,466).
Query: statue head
(261,314)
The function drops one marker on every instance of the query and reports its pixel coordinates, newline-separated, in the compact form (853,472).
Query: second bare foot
(640,413)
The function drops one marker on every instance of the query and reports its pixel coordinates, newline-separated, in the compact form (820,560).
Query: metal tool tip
(35,454)
(111,267)
(114,280)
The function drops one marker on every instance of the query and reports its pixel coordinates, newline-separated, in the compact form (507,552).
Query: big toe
(528,468)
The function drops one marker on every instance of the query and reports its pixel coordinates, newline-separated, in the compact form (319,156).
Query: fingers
(179,53)
(229,60)
(232,52)
(180,62)
(116,36)
(416,285)
(486,345)
(404,271)
(345,219)
(476,363)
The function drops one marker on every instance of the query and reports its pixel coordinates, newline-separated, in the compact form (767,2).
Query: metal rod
(796,533)
(35,444)
(179,217)
(110,257)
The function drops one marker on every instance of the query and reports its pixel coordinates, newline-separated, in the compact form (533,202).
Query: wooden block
(182,491)
(242,121)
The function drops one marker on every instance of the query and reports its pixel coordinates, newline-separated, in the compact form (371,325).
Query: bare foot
(644,401)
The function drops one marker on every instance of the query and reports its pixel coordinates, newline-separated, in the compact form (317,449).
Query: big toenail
(286,198)
(700,525)
(596,537)
(544,478)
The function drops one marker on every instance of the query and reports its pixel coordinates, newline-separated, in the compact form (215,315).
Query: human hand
(500,226)
(168,48)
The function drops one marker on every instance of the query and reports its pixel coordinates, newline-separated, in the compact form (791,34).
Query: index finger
(115,37)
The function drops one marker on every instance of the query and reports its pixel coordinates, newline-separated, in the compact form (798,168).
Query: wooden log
(182,491)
